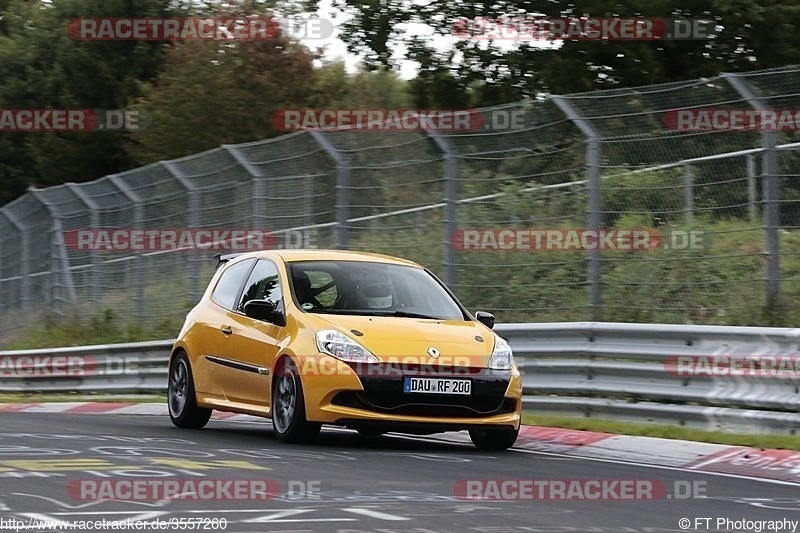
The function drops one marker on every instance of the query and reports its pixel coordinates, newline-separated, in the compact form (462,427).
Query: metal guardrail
(588,369)
(628,372)
(137,367)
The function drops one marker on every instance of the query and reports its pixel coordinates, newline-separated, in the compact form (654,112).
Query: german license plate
(437,386)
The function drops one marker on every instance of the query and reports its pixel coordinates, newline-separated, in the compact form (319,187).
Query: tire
(289,409)
(181,398)
(493,439)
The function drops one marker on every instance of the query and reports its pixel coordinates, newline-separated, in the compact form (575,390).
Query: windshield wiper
(372,312)
(404,314)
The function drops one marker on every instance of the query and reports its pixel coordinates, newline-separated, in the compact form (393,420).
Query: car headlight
(342,347)
(502,357)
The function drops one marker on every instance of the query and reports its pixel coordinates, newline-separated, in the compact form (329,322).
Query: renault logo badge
(433,352)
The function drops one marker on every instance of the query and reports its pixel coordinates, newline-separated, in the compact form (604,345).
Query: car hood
(391,338)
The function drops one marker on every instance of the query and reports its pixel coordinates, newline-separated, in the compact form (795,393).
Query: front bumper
(360,395)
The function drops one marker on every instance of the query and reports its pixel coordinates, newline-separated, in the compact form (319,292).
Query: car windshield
(373,289)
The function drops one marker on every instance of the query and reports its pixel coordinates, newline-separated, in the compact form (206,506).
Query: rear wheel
(493,439)
(289,409)
(181,399)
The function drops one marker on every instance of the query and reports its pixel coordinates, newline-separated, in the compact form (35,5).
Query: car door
(253,344)
(212,330)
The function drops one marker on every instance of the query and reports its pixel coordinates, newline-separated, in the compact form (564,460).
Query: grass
(104,327)
(781,442)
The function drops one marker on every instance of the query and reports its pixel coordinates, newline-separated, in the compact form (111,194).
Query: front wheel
(289,409)
(181,399)
(493,439)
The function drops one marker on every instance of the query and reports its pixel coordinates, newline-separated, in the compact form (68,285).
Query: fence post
(24,258)
(138,262)
(450,205)
(61,257)
(257,207)
(688,193)
(594,162)
(771,191)
(751,188)
(94,223)
(342,187)
(193,221)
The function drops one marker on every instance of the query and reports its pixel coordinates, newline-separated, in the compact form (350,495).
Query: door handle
(226,330)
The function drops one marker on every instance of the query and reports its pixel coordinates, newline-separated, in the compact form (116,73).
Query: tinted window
(226,293)
(263,284)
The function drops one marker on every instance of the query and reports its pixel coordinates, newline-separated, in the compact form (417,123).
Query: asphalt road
(59,467)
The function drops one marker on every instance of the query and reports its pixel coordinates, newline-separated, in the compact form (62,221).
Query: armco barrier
(588,369)
(138,367)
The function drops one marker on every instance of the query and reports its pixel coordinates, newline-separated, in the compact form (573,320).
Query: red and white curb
(781,465)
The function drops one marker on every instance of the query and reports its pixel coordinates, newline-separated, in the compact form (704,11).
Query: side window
(263,284)
(226,293)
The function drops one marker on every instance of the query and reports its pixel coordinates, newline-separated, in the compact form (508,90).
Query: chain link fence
(724,204)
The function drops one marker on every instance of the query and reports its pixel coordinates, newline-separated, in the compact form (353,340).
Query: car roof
(295,255)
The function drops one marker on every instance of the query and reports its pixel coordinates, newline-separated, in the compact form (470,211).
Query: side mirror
(487,319)
(264,310)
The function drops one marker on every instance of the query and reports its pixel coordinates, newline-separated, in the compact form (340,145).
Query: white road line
(375,514)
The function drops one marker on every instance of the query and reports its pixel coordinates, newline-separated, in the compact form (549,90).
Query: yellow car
(366,341)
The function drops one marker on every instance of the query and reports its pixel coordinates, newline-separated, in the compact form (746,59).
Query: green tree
(215,92)
(749,34)
(42,67)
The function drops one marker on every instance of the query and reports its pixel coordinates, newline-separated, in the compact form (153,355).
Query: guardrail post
(342,186)
(450,205)
(594,162)
(193,221)
(771,191)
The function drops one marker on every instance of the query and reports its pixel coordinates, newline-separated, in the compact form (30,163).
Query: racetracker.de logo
(27,120)
(122,240)
(646,239)
(43,365)
(377,119)
(164,29)
(555,239)
(732,119)
(560,489)
(145,489)
(763,366)
(532,28)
